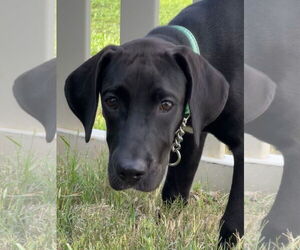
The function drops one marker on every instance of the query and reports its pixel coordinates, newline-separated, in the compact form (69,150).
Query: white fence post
(214,148)
(73,48)
(255,148)
(27,40)
(137,18)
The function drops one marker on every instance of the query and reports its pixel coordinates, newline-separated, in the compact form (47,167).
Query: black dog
(272,39)
(145,85)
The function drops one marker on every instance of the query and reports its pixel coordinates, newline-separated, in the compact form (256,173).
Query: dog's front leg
(180,178)
(284,216)
(232,222)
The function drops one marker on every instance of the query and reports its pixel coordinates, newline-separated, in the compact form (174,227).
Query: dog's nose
(131,171)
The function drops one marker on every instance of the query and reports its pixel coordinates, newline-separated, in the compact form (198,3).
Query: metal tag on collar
(176,146)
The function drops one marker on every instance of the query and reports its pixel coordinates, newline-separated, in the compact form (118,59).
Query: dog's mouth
(149,182)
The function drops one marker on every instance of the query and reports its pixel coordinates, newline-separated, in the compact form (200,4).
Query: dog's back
(272,37)
(218,28)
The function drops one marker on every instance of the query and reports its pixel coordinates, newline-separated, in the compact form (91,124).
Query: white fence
(27,40)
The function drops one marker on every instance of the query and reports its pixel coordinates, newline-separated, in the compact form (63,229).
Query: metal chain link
(176,146)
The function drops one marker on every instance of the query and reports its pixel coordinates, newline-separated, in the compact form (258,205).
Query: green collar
(194,47)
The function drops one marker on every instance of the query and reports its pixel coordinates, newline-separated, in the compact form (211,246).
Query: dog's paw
(174,201)
(272,237)
(277,232)
(170,196)
(227,238)
(230,232)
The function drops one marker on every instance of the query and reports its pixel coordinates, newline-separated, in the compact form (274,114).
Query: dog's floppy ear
(35,92)
(207,89)
(83,86)
(259,93)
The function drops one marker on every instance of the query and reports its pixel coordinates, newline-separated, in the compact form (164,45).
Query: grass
(105,27)
(99,121)
(27,202)
(93,216)
(105,20)
(257,205)
(90,215)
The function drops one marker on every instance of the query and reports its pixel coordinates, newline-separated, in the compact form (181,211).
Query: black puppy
(145,86)
(272,39)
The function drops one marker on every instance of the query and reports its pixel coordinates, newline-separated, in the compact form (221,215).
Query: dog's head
(144,87)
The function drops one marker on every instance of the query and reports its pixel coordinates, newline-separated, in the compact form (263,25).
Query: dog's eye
(165,106)
(112,102)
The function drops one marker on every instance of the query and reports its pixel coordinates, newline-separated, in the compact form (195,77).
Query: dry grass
(93,216)
(90,215)
(27,202)
(257,205)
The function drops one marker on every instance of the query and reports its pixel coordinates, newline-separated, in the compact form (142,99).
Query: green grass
(257,205)
(27,201)
(105,24)
(90,215)
(105,20)
(99,121)
(105,27)
(93,216)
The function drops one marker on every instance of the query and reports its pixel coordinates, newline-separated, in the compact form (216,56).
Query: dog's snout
(131,171)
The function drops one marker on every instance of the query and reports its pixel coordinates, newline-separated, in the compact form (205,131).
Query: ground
(90,215)
(100,218)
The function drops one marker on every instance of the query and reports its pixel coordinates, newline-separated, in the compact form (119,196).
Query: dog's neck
(169,34)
